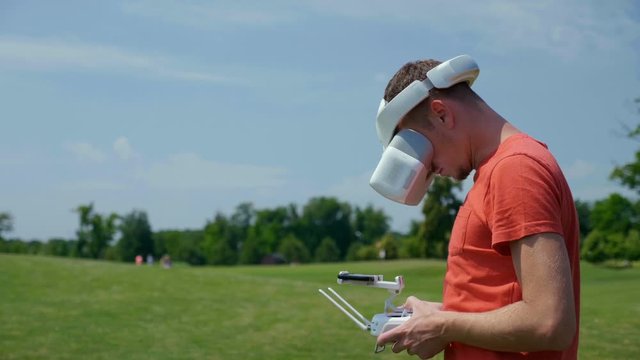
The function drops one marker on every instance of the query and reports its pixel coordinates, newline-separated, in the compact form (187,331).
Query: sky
(187,108)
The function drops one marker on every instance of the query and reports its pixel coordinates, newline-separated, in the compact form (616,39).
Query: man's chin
(461,176)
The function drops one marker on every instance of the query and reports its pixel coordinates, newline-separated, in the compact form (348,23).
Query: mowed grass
(58,308)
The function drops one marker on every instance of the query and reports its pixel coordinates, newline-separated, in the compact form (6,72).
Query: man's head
(407,74)
(439,117)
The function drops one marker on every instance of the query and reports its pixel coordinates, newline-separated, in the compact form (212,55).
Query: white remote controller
(380,323)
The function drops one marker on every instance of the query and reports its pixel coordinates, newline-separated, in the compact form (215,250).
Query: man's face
(449,154)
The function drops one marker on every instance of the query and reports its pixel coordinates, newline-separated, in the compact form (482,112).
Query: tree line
(326,229)
(323,230)
(611,226)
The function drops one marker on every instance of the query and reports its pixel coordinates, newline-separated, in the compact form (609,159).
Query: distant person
(149,259)
(139,260)
(166,261)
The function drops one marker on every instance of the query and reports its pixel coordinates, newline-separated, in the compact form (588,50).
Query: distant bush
(294,250)
(327,251)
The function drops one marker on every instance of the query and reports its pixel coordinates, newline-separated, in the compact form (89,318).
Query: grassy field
(57,308)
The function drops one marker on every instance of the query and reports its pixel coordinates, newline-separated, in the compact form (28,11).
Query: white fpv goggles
(404,171)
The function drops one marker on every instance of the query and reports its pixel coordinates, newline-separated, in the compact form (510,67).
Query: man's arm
(543,320)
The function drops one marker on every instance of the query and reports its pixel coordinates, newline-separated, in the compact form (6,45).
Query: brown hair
(417,70)
(407,74)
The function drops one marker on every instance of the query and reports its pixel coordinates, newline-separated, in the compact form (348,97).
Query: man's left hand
(423,334)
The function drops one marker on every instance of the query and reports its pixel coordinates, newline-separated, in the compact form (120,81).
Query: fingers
(390,336)
(410,351)
(410,302)
(399,347)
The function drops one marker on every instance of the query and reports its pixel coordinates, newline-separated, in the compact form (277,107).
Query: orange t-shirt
(519,191)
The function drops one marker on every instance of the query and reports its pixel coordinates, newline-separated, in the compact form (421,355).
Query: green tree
(95,232)
(327,251)
(369,224)
(600,246)
(615,214)
(34,247)
(58,247)
(112,253)
(584,217)
(632,245)
(181,245)
(6,223)
(84,232)
(616,247)
(616,220)
(629,174)
(271,226)
(165,242)
(439,209)
(102,233)
(326,217)
(220,243)
(367,252)
(253,249)
(411,247)
(594,247)
(242,218)
(388,247)
(136,237)
(239,224)
(14,246)
(294,250)
(352,252)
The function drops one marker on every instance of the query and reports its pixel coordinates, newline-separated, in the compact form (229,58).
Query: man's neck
(490,130)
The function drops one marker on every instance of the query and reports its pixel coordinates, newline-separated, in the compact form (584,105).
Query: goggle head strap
(451,72)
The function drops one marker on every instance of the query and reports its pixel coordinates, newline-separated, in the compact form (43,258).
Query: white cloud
(86,152)
(123,148)
(601,191)
(54,54)
(13,159)
(203,14)
(565,29)
(381,78)
(580,169)
(190,171)
(355,189)
(93,185)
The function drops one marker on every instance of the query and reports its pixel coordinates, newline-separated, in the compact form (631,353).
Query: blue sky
(186,108)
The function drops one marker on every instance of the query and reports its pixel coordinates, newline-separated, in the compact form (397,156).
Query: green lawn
(57,308)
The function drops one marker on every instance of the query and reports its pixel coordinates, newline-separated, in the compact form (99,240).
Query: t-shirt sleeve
(522,200)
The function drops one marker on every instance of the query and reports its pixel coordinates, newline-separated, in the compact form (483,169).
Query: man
(512,286)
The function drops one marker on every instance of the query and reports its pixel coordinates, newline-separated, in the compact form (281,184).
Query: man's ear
(443,113)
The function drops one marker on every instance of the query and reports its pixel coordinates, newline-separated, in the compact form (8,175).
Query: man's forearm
(546,317)
(518,327)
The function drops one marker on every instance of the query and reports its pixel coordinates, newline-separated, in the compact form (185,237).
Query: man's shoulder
(522,148)
(522,144)
(518,155)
